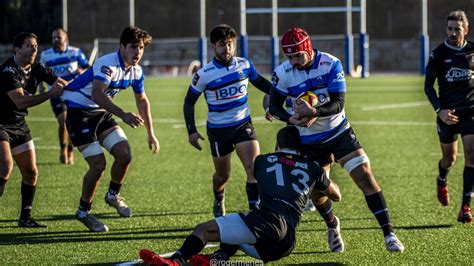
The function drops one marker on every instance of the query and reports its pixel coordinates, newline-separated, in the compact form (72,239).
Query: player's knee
(123,157)
(30,175)
(221,177)
(115,137)
(6,170)
(97,166)
(448,161)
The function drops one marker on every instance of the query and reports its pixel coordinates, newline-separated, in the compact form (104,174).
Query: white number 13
(303,180)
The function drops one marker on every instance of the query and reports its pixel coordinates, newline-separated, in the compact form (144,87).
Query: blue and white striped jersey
(109,69)
(64,64)
(225,90)
(326,75)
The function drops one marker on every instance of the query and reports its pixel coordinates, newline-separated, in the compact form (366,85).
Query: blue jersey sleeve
(139,85)
(336,79)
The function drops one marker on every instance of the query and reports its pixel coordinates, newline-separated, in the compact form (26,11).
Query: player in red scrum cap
(324,129)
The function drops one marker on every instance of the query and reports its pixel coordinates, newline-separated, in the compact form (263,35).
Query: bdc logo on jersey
(231,92)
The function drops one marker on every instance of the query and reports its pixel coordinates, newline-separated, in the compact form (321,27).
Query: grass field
(171,192)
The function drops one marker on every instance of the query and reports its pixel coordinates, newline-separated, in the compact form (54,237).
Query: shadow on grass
(319,263)
(412,227)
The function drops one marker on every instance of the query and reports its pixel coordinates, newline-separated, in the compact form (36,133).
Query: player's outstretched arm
(23,101)
(144,109)
(188,111)
(104,101)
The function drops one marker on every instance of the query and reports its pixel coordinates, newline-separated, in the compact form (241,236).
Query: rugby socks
(377,205)
(225,251)
(27,197)
(3,181)
(468,182)
(219,195)
(191,246)
(443,174)
(114,188)
(85,206)
(252,195)
(325,210)
(70,148)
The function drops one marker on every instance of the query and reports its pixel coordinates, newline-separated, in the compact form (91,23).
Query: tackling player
(19,78)
(91,126)
(324,129)
(67,62)
(224,82)
(285,179)
(452,64)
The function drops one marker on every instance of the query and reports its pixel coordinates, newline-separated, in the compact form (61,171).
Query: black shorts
(340,146)
(223,140)
(275,239)
(58,106)
(449,133)
(15,135)
(85,126)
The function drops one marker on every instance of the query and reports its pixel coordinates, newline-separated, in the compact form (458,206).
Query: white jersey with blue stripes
(225,90)
(64,64)
(326,75)
(108,69)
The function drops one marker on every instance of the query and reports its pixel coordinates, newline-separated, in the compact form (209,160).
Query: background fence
(394,27)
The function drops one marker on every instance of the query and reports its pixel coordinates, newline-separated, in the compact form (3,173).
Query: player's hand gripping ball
(309,97)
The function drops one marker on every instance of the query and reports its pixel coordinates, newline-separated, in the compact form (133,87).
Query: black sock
(252,195)
(114,188)
(85,206)
(468,182)
(3,181)
(325,210)
(219,195)
(379,208)
(225,251)
(191,246)
(62,145)
(443,174)
(27,197)
(70,148)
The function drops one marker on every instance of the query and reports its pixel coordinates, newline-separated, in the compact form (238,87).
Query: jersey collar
(454,47)
(122,64)
(220,64)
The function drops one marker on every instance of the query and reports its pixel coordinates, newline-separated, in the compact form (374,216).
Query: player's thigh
(6,160)
(222,165)
(247,152)
(58,106)
(221,141)
(115,141)
(233,230)
(447,133)
(26,162)
(449,150)
(82,126)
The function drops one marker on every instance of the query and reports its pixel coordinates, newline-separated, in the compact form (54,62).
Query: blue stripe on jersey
(68,77)
(309,84)
(120,60)
(82,80)
(138,86)
(61,60)
(227,80)
(227,106)
(309,139)
(335,80)
(194,91)
(211,125)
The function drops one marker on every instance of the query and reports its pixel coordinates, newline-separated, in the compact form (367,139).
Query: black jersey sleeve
(9,79)
(430,77)
(188,111)
(276,106)
(262,84)
(335,106)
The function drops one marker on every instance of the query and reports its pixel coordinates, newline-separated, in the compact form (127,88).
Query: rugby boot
(465,214)
(91,222)
(151,258)
(443,194)
(30,223)
(119,204)
(335,242)
(200,260)
(392,243)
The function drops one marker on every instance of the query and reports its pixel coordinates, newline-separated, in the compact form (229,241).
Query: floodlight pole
(275,47)
(202,33)
(424,39)
(364,40)
(349,43)
(64,10)
(244,43)
(131,12)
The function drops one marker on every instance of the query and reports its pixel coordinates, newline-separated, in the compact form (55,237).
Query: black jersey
(12,77)
(284,181)
(454,70)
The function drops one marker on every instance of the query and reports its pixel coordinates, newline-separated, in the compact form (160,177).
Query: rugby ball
(309,97)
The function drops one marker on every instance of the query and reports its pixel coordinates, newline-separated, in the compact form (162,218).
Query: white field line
(394,106)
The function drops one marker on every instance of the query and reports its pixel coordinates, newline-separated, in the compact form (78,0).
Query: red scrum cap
(296,40)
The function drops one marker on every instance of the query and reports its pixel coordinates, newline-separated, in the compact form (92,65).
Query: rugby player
(19,78)
(224,82)
(452,64)
(324,129)
(91,126)
(285,179)
(67,62)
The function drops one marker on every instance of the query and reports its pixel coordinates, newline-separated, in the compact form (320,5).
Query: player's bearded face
(59,39)
(132,53)
(299,60)
(224,49)
(456,33)
(27,53)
